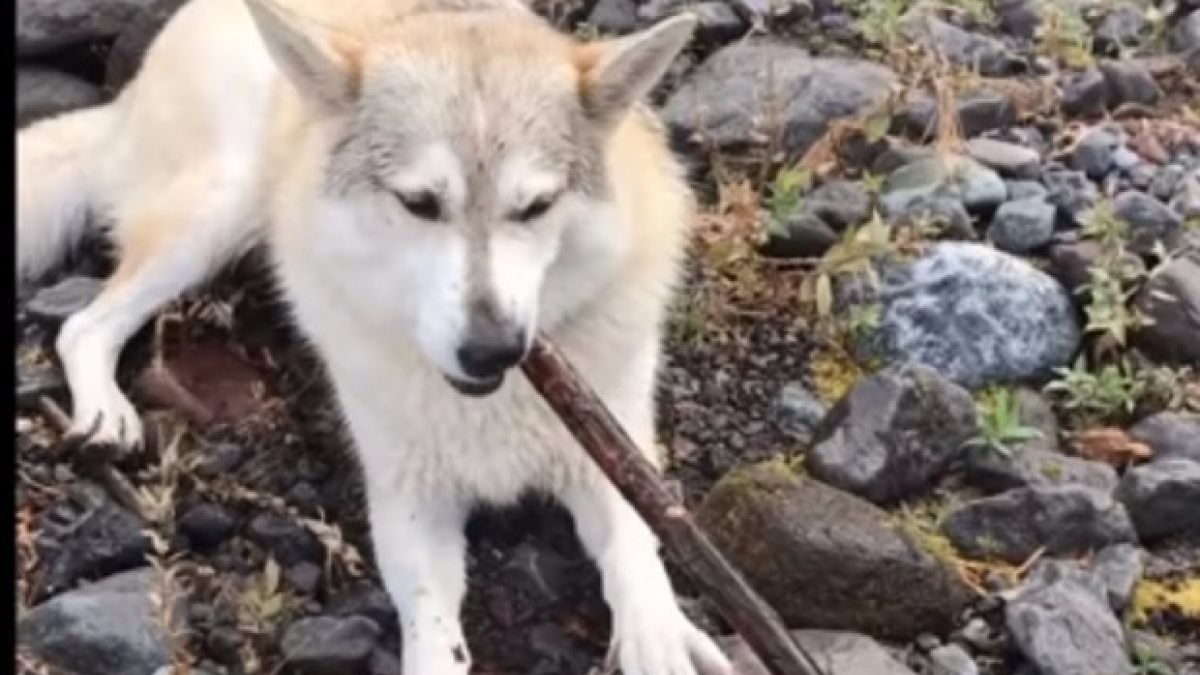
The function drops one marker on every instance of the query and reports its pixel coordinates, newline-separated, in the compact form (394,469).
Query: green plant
(1146,662)
(1065,34)
(853,254)
(1110,392)
(999,420)
(786,190)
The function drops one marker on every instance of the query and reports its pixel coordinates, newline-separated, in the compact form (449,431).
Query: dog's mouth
(476,388)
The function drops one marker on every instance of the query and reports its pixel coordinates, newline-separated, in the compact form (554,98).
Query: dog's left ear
(617,73)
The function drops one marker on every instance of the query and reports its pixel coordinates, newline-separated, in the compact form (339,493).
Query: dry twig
(602,436)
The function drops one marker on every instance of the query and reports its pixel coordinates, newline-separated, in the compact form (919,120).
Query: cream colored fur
(319,127)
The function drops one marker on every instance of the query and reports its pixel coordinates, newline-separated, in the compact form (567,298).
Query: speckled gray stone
(974,314)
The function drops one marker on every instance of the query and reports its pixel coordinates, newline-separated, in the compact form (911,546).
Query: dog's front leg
(651,634)
(420,548)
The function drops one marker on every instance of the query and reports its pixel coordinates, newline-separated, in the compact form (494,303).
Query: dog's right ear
(325,67)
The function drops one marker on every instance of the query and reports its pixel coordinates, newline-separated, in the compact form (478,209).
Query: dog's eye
(422,205)
(535,209)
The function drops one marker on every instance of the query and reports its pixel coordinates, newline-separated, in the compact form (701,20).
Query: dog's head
(467,147)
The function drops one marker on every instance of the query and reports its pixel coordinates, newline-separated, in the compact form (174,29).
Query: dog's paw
(111,423)
(662,641)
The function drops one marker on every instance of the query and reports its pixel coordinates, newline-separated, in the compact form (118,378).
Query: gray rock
(1185,36)
(893,434)
(1012,526)
(977,186)
(800,412)
(978,52)
(1125,160)
(1027,467)
(1162,497)
(1009,159)
(1167,181)
(106,628)
(304,576)
(1129,81)
(979,111)
(855,572)
(1120,567)
(285,539)
(1026,189)
(57,303)
(1084,94)
(327,645)
(951,659)
(1124,26)
(85,534)
(946,216)
(727,98)
(1171,299)
(1071,193)
(840,203)
(42,93)
(1022,226)
(1018,18)
(974,314)
(46,25)
(1150,221)
(843,653)
(1170,435)
(1186,200)
(1063,628)
(614,17)
(1094,153)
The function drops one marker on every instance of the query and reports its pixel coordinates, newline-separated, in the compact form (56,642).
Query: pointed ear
(617,73)
(324,67)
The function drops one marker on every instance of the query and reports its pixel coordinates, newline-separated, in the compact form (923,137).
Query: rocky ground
(933,387)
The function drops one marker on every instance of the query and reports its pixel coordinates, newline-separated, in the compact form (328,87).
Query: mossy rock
(825,558)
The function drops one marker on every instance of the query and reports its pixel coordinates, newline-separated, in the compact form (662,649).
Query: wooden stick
(602,436)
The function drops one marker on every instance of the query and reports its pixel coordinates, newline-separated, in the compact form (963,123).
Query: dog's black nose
(490,355)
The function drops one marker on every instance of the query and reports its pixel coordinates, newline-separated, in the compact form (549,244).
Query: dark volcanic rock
(1171,299)
(1129,82)
(42,92)
(284,538)
(106,628)
(974,314)
(1084,93)
(727,98)
(978,187)
(206,525)
(825,558)
(88,535)
(893,434)
(46,25)
(1028,466)
(1170,435)
(1150,221)
(55,304)
(1163,497)
(1012,526)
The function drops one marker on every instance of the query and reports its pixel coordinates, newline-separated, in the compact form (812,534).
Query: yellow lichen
(1151,596)
(832,373)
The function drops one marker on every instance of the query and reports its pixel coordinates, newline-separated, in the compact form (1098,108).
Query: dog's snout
(490,353)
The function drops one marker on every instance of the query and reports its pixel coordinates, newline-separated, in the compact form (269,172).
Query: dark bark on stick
(602,436)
